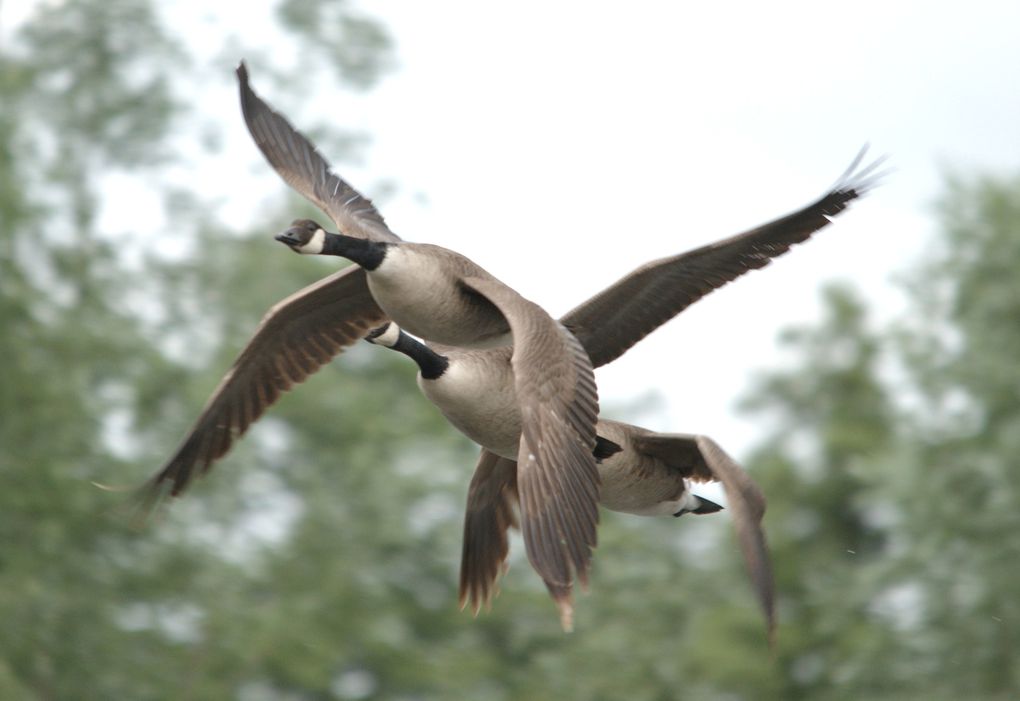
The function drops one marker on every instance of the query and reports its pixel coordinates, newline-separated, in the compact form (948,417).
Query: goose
(303,332)
(641,472)
(433,292)
(443,297)
(607,325)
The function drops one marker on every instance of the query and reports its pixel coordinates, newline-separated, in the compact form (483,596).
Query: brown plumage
(302,167)
(295,338)
(557,477)
(622,314)
(299,334)
(443,296)
(641,472)
(607,325)
(650,465)
(491,511)
(704,460)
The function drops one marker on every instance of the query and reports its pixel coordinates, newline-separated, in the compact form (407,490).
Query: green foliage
(893,514)
(330,31)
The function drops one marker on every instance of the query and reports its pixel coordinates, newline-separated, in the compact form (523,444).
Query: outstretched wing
(557,477)
(701,459)
(298,162)
(621,315)
(491,503)
(295,338)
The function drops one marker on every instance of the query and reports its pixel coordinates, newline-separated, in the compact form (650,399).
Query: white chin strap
(315,244)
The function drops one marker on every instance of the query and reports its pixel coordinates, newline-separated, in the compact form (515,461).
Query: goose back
(420,286)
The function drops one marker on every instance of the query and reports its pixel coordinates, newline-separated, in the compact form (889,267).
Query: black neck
(367,254)
(430,364)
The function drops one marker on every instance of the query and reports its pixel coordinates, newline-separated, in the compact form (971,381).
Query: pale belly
(637,484)
(480,402)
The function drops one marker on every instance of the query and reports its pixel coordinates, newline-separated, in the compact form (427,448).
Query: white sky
(561,144)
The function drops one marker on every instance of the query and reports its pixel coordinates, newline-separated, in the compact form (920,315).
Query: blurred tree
(90,609)
(64,343)
(831,416)
(949,585)
(893,491)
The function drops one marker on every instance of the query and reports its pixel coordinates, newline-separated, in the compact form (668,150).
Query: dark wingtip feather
(142,503)
(246,92)
(859,180)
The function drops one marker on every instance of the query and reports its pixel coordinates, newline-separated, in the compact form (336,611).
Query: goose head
(304,236)
(386,335)
(431,365)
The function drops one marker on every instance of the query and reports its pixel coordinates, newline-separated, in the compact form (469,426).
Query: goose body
(423,287)
(476,395)
(444,297)
(647,473)
(639,483)
(474,391)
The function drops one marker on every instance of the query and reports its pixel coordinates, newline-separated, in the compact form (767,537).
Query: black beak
(289,238)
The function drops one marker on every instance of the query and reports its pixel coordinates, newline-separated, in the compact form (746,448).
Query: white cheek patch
(315,244)
(388,337)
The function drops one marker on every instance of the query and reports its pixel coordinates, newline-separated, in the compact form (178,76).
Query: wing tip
(144,502)
(772,635)
(566,609)
(462,601)
(861,180)
(248,96)
(562,596)
(242,72)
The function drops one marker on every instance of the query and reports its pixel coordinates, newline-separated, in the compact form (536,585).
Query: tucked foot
(704,507)
(605,448)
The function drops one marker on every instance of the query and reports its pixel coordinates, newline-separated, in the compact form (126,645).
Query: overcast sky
(562,144)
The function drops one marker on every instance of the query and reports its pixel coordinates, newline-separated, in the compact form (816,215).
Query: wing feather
(745,499)
(621,315)
(492,499)
(301,165)
(557,477)
(275,359)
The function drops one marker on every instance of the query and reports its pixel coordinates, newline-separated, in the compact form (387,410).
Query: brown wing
(295,338)
(492,498)
(707,461)
(557,476)
(621,315)
(298,162)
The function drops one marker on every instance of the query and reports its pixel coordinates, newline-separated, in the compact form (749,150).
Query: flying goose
(443,297)
(648,477)
(642,472)
(607,325)
(306,330)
